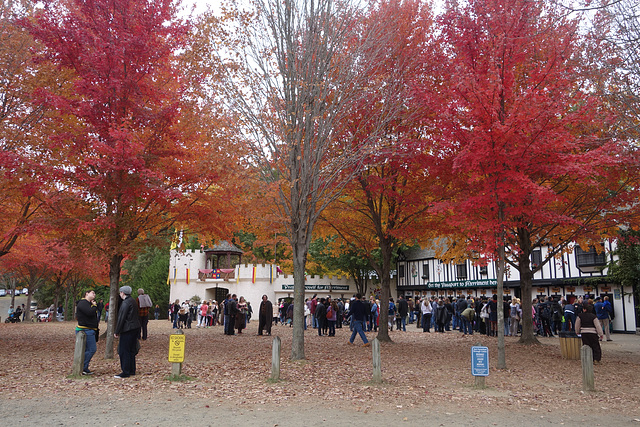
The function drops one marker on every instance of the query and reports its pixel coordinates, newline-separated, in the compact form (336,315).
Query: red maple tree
(134,162)
(531,160)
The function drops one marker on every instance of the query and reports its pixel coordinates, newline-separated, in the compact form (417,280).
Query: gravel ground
(427,381)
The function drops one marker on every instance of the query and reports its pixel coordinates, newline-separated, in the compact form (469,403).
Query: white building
(570,276)
(208,275)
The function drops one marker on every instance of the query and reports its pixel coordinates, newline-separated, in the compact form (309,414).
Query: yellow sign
(176,348)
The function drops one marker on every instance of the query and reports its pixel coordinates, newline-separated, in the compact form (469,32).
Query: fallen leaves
(418,369)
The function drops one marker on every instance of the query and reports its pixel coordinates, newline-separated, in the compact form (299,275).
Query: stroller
(14,317)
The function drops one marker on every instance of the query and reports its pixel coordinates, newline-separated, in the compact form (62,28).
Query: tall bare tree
(304,64)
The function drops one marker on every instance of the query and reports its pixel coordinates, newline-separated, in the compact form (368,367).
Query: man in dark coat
(128,329)
(403,312)
(265,315)
(321,315)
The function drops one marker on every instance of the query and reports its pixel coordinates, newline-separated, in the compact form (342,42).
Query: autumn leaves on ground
(419,370)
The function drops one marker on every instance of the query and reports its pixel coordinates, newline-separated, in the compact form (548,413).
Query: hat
(126,290)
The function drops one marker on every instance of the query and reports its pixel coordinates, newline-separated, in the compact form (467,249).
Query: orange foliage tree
(138,159)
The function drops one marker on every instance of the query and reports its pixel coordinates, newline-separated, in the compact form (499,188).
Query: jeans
(569,317)
(90,347)
(507,326)
(404,323)
(426,322)
(358,329)
(514,326)
(144,322)
(467,326)
(332,328)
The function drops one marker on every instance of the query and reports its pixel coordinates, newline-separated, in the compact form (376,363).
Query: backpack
(484,313)
(545,313)
(329,312)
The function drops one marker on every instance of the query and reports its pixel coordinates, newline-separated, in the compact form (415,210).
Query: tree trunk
(526,278)
(299,261)
(502,363)
(115,265)
(385,283)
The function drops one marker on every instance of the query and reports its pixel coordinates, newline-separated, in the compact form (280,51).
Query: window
(536,258)
(401,270)
(483,270)
(425,272)
(461,271)
(590,261)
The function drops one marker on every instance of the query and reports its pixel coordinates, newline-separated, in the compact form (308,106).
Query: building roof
(224,247)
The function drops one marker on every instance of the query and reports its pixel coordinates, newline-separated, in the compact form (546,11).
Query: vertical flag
(253,276)
(238,274)
(187,276)
(175,275)
(271,273)
(169,278)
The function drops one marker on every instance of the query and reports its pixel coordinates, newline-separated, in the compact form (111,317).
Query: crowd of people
(469,315)
(233,313)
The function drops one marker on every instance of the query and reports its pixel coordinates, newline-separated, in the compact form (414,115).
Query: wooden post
(78,354)
(588,379)
(176,352)
(377,361)
(275,359)
(479,380)
(176,369)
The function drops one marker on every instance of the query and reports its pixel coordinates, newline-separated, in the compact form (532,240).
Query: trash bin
(570,344)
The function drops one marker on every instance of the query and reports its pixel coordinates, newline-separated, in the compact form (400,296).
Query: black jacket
(87,314)
(403,307)
(127,316)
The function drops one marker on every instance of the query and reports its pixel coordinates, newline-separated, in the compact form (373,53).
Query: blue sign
(479,361)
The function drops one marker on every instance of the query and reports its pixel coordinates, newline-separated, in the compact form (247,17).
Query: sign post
(479,364)
(176,352)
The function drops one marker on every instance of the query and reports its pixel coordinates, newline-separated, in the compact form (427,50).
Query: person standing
(357,310)
(128,329)
(312,308)
(156,314)
(321,315)
(603,315)
(87,315)
(175,311)
(403,311)
(265,314)
(589,328)
(241,315)
(144,304)
(569,316)
(427,310)
(233,312)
